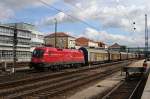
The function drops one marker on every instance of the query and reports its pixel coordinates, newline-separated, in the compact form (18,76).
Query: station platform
(146,92)
(137,64)
(135,67)
(106,85)
(98,89)
(138,67)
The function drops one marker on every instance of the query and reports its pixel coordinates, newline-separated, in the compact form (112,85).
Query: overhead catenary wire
(132,23)
(130,19)
(59,10)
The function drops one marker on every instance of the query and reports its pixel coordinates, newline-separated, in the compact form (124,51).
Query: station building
(117,47)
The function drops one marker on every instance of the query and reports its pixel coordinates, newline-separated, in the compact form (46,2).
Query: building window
(33,35)
(40,37)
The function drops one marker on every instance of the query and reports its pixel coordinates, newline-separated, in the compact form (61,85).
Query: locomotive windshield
(38,53)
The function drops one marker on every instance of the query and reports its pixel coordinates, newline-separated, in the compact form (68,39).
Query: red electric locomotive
(55,57)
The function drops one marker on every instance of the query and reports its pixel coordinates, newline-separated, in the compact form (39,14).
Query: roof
(82,41)
(58,34)
(116,45)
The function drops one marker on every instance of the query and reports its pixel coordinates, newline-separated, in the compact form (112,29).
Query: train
(50,57)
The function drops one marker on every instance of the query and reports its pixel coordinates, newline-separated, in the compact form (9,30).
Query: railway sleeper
(47,93)
(43,88)
(33,92)
(35,85)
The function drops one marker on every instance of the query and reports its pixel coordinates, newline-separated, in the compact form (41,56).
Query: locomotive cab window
(38,53)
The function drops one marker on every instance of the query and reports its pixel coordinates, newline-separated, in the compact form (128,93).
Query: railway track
(73,84)
(52,84)
(18,64)
(128,89)
(23,74)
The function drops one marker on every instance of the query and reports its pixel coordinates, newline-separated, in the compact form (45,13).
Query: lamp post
(146,37)
(55,32)
(15,41)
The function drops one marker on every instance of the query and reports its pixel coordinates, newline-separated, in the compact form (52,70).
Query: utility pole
(146,37)
(55,32)
(15,41)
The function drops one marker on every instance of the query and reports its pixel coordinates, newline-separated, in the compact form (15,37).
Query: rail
(25,86)
(127,89)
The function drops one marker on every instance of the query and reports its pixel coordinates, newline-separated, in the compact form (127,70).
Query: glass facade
(6,44)
(7,55)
